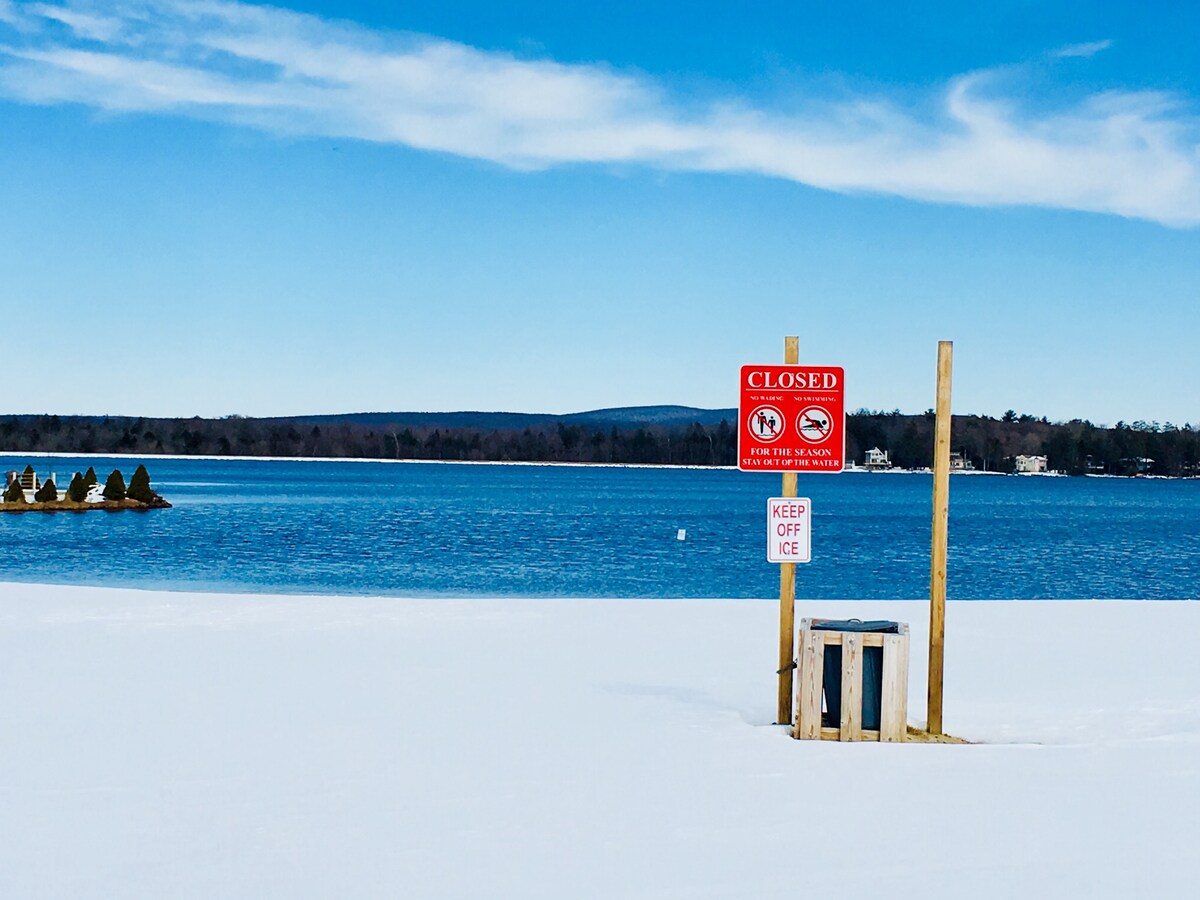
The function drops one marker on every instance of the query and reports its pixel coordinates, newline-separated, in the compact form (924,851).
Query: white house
(1030,465)
(960,463)
(877,459)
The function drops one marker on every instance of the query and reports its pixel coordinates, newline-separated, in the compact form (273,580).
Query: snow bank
(199,745)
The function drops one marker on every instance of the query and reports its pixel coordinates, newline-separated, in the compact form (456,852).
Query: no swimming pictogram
(814,424)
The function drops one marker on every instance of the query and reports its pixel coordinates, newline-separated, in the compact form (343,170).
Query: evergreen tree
(139,486)
(77,490)
(114,488)
(89,477)
(47,493)
(13,493)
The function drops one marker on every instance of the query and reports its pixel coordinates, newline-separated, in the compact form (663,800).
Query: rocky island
(25,492)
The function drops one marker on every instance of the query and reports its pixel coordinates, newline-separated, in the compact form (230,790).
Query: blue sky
(214,208)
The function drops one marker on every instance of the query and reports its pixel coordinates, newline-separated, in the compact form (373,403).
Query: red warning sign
(792,419)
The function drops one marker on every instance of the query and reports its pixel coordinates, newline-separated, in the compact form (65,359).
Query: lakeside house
(959,463)
(1139,464)
(877,459)
(1030,465)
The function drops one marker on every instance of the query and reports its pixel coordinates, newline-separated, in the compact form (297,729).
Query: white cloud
(1083,50)
(1131,154)
(84,24)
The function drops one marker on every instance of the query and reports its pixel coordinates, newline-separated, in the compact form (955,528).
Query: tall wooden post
(787,582)
(941,524)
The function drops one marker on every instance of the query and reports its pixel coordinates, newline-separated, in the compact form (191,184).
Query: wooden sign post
(791,419)
(941,523)
(787,582)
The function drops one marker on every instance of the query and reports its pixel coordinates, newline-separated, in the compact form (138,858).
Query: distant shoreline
(681,437)
(41,454)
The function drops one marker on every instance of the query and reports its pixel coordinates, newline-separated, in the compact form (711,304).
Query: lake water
(479,530)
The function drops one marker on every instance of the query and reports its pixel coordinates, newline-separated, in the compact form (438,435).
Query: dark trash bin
(872,687)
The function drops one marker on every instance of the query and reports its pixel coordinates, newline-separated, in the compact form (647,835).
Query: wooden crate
(893,723)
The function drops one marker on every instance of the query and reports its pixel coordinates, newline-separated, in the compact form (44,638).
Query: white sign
(789,530)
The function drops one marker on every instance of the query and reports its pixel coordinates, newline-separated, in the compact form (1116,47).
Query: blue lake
(494,530)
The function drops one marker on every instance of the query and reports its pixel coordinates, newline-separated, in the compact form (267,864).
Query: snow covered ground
(196,745)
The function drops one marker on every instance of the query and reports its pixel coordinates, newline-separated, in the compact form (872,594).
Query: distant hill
(667,416)
(617,417)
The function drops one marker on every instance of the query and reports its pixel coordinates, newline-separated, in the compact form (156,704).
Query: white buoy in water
(681,534)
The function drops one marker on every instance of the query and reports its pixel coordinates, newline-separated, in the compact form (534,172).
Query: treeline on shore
(990,444)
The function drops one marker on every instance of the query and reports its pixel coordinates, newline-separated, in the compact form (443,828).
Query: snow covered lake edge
(251,745)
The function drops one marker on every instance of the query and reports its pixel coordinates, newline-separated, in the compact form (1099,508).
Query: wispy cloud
(8,12)
(1132,154)
(1083,50)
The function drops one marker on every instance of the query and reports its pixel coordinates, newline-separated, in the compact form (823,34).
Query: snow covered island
(26,492)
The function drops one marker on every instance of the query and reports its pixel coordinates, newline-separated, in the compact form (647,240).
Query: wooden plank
(809,681)
(941,521)
(852,677)
(893,723)
(902,714)
(835,734)
(787,584)
(787,612)
(791,350)
(868,638)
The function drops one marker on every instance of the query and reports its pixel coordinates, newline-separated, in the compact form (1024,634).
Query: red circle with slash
(814,424)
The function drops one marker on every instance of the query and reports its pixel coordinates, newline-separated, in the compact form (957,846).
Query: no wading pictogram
(792,419)
(767,424)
